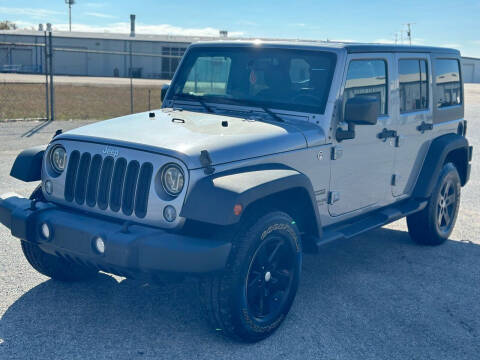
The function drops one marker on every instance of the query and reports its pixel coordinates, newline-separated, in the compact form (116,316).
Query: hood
(184,134)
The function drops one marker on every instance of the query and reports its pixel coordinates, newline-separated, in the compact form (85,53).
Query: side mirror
(163,93)
(362,110)
(359,110)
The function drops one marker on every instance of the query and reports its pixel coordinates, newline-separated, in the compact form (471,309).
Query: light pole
(70,3)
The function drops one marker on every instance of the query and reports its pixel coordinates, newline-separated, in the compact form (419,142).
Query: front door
(414,120)
(361,168)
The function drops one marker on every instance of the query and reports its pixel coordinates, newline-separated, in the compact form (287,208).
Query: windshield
(288,79)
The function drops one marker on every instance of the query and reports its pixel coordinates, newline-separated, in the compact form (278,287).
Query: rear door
(414,119)
(361,167)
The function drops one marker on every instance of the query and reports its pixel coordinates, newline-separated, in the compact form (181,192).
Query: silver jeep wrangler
(261,151)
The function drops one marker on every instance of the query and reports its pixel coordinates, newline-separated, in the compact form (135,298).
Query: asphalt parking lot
(377,296)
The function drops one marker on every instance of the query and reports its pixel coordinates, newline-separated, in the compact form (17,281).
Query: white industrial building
(15,56)
(471,70)
(92,62)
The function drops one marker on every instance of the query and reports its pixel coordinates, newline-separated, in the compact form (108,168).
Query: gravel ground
(377,296)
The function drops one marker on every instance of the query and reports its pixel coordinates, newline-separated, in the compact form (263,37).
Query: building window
(170,61)
(413,79)
(367,78)
(448,83)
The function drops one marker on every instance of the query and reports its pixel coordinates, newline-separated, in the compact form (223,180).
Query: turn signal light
(237,209)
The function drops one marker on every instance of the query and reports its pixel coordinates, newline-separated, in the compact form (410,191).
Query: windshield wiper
(272,114)
(248,103)
(195,98)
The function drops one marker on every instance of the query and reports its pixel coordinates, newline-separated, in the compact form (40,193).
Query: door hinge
(333,197)
(337,152)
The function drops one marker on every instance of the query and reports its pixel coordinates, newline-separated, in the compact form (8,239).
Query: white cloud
(124,28)
(30,12)
(100,15)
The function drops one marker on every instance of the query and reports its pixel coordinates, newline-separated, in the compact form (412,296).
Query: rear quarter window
(448,84)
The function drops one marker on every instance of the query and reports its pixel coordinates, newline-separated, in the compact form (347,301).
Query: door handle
(385,134)
(424,127)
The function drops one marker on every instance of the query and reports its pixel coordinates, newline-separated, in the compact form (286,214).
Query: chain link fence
(47,90)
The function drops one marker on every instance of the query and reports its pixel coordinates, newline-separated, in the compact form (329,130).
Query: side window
(447,82)
(367,78)
(413,85)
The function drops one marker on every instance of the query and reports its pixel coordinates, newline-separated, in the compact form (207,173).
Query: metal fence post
(131,80)
(52,90)
(47,105)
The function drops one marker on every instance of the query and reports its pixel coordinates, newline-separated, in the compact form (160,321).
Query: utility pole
(70,3)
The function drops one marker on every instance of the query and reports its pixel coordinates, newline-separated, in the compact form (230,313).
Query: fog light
(48,187)
(99,245)
(46,231)
(169,213)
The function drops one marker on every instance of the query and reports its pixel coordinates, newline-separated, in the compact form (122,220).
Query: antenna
(409,32)
(70,3)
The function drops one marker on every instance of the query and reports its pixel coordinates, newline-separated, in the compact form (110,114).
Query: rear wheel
(434,224)
(251,298)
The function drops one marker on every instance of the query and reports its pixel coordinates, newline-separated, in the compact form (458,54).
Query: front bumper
(129,250)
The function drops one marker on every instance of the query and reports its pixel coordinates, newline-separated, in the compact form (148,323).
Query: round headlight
(58,158)
(172,179)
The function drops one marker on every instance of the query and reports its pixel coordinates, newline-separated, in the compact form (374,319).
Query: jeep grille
(108,183)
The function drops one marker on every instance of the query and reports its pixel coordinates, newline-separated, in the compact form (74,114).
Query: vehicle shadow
(374,296)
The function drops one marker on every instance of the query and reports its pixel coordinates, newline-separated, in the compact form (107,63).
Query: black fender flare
(213,198)
(437,153)
(28,164)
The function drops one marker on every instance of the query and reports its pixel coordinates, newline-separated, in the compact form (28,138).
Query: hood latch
(206,162)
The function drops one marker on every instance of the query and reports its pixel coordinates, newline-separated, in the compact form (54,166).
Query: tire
(53,266)
(434,224)
(250,299)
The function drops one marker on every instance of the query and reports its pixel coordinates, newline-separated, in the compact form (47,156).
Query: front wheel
(53,266)
(252,296)
(434,224)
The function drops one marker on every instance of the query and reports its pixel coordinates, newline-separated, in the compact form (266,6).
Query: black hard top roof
(360,48)
(349,47)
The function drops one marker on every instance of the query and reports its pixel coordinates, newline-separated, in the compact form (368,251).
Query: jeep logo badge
(110,151)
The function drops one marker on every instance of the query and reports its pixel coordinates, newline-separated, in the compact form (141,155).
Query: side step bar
(356,226)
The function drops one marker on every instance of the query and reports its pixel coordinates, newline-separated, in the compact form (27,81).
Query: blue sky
(453,23)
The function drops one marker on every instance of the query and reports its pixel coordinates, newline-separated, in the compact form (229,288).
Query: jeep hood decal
(185,134)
